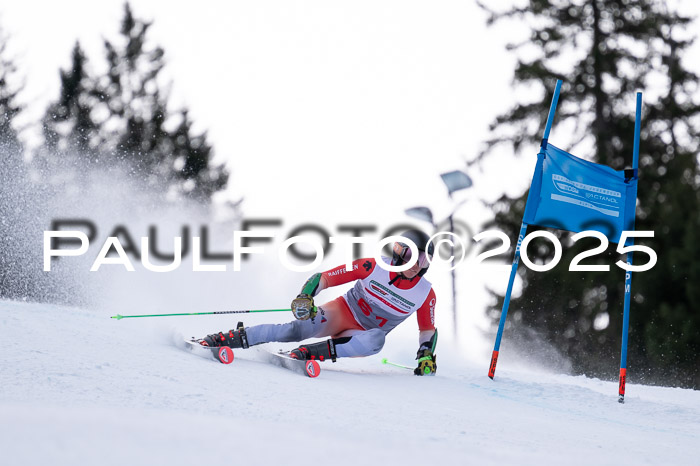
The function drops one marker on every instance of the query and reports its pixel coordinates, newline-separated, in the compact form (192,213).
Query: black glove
(426,362)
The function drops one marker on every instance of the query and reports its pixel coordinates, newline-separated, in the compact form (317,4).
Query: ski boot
(315,351)
(233,339)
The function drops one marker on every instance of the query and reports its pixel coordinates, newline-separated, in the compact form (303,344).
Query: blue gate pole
(506,301)
(521,236)
(552,111)
(628,274)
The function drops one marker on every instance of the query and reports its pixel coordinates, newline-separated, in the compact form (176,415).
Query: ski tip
(313,369)
(490,377)
(224,355)
(118,317)
(384,361)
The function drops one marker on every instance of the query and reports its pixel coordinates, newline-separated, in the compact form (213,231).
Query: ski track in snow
(78,387)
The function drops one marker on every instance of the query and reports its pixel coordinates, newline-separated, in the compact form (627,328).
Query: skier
(359,321)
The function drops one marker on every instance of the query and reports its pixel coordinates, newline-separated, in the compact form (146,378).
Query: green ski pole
(384,361)
(120,317)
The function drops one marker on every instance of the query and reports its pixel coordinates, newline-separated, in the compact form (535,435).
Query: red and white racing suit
(362,318)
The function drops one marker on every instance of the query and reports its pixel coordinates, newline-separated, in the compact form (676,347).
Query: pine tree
(131,93)
(604,51)
(13,178)
(192,154)
(71,135)
(12,150)
(137,129)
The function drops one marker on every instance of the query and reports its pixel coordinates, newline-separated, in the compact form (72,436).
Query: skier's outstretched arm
(427,337)
(303,305)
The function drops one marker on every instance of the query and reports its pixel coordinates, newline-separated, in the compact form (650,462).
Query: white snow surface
(80,388)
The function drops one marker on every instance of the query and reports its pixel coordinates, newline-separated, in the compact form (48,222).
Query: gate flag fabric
(569,193)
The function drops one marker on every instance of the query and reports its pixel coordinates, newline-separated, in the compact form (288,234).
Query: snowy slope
(78,387)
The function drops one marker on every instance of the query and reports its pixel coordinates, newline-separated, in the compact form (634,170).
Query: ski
(308,368)
(223,354)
